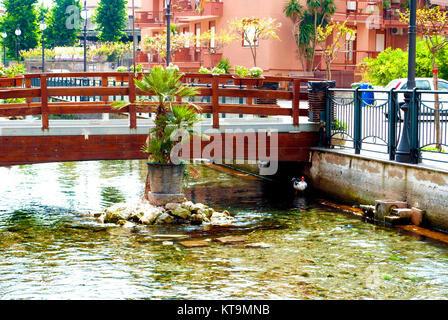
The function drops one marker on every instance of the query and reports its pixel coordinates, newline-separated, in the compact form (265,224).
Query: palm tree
(306,22)
(164,85)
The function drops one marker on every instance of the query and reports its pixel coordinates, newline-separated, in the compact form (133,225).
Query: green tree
(21,14)
(306,21)
(110,15)
(64,23)
(393,64)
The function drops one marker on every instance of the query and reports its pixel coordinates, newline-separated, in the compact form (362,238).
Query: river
(51,250)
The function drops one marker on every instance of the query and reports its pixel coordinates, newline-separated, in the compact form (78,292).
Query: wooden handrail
(214,87)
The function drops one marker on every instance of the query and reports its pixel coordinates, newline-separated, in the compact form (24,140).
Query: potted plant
(138,69)
(12,76)
(252,77)
(165,173)
(123,78)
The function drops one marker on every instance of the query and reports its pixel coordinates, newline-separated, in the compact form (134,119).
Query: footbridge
(50,119)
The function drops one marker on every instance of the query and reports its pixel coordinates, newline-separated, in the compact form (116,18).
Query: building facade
(377,25)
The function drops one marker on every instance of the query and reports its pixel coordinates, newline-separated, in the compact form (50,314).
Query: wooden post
(28,85)
(105,83)
(215,101)
(250,99)
(132,98)
(44,101)
(295,102)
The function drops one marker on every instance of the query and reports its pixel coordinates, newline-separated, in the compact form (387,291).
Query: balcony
(145,19)
(373,13)
(186,11)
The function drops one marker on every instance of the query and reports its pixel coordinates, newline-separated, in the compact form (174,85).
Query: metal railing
(371,120)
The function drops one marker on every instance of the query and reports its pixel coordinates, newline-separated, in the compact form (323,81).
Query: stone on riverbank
(143,212)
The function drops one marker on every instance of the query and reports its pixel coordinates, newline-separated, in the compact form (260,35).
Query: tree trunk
(436,105)
(147,186)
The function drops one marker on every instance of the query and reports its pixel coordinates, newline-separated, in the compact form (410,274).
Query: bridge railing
(112,86)
(371,120)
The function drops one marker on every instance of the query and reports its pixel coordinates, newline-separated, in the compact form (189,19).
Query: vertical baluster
(215,101)
(132,98)
(358,125)
(44,101)
(296,102)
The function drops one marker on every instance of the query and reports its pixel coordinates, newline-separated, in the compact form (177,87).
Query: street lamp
(404,153)
(42,28)
(85,14)
(168,31)
(18,32)
(4,49)
(133,33)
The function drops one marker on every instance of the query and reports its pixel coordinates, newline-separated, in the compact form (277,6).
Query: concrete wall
(358,179)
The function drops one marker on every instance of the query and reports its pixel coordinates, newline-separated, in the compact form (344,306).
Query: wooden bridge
(37,138)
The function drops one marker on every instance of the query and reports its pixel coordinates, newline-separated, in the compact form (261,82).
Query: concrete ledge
(358,179)
(13,128)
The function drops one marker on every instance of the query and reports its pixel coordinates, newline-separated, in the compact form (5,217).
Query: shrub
(255,72)
(241,71)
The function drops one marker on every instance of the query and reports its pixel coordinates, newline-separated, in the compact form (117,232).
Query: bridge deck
(24,141)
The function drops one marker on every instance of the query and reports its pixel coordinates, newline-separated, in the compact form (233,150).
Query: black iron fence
(372,120)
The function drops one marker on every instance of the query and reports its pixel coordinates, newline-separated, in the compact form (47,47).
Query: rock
(197,218)
(119,211)
(128,225)
(258,245)
(169,236)
(172,206)
(167,243)
(150,215)
(187,205)
(206,212)
(164,218)
(195,208)
(230,240)
(194,243)
(181,212)
(121,222)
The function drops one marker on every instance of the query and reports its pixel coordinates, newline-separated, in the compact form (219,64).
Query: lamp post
(85,14)
(168,31)
(18,32)
(42,28)
(133,33)
(4,48)
(404,153)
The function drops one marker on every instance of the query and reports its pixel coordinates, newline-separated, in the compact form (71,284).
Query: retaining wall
(358,179)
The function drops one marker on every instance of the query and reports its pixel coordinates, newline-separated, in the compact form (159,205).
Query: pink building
(376,23)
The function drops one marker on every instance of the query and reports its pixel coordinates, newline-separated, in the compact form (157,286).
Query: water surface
(50,250)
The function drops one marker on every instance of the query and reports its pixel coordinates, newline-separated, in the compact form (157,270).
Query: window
(350,47)
(250,36)
(443,85)
(197,28)
(419,84)
(212,28)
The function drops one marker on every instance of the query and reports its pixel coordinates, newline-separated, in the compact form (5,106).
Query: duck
(299,185)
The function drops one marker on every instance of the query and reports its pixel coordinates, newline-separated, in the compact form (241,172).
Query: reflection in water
(111,195)
(50,250)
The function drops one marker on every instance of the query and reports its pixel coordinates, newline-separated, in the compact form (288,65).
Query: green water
(50,250)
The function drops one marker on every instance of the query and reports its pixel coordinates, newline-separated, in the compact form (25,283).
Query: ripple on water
(49,251)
